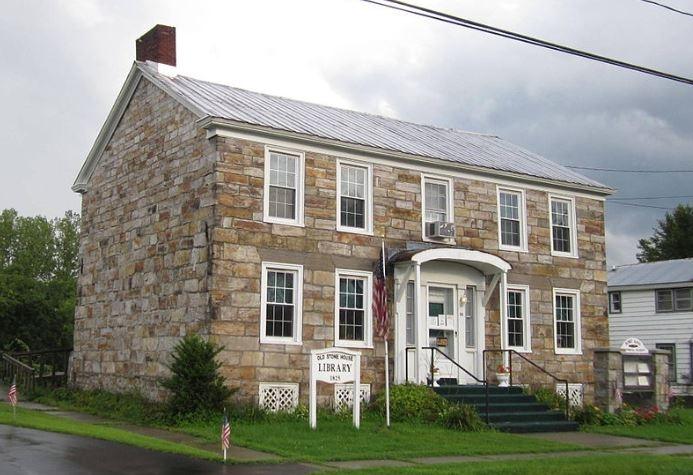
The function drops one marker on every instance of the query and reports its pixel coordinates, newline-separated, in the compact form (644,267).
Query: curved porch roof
(486,263)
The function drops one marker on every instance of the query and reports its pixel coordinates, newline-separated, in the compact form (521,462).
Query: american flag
(225,433)
(12,393)
(380,297)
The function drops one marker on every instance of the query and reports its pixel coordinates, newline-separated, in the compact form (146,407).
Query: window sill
(344,229)
(278,341)
(286,222)
(521,350)
(353,344)
(567,352)
(503,247)
(564,254)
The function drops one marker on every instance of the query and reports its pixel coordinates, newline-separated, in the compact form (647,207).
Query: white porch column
(503,291)
(419,321)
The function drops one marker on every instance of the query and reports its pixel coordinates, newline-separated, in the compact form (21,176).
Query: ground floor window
(671,360)
(280,320)
(567,321)
(353,322)
(517,318)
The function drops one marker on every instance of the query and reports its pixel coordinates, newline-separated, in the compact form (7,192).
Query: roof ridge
(654,262)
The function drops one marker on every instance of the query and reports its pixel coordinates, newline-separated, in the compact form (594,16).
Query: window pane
(351,309)
(353,182)
(282,202)
(682,299)
(515,316)
(436,201)
(411,314)
(283,170)
(469,320)
(560,219)
(665,302)
(280,303)
(615,302)
(353,213)
(510,232)
(565,321)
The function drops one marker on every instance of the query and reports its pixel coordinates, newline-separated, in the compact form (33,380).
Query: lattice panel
(575,392)
(344,395)
(278,396)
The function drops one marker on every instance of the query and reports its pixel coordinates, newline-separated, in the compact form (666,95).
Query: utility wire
(463,22)
(622,170)
(637,205)
(650,198)
(668,7)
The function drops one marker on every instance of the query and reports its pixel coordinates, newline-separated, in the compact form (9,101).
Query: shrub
(411,402)
(461,417)
(195,383)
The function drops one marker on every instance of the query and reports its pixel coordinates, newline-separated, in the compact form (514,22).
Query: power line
(623,170)
(650,198)
(637,205)
(463,22)
(668,7)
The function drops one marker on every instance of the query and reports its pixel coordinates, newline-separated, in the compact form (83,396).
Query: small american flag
(225,433)
(380,297)
(12,393)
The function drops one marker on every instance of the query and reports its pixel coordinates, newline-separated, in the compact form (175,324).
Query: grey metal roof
(479,150)
(652,273)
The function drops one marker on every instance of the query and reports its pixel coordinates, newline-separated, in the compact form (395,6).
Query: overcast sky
(63,63)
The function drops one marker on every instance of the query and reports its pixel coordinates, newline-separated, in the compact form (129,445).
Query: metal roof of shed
(350,127)
(652,273)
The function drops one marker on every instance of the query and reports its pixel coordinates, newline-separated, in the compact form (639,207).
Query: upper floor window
(674,300)
(563,232)
(438,220)
(614,302)
(353,322)
(512,227)
(517,318)
(281,302)
(354,197)
(283,187)
(567,334)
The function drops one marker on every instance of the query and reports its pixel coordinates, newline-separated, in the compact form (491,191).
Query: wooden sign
(335,365)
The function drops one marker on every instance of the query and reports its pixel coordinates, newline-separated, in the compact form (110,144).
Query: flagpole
(387,363)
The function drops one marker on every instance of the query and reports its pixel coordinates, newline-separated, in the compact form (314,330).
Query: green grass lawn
(336,439)
(42,421)
(600,464)
(678,433)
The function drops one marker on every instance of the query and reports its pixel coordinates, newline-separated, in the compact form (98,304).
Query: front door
(452,331)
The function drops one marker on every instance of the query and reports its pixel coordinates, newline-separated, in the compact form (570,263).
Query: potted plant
(432,376)
(503,376)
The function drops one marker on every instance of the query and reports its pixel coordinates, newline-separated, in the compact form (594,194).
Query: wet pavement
(28,451)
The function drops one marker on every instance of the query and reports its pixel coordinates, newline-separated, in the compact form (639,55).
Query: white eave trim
(461,255)
(137,71)
(226,127)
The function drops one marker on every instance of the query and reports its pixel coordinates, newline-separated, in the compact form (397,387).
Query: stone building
(256,221)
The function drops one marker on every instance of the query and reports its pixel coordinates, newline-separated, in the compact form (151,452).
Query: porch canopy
(411,261)
(488,264)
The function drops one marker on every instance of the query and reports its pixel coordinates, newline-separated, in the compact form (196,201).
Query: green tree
(672,239)
(38,269)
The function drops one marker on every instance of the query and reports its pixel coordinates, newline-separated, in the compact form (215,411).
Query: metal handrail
(23,374)
(433,350)
(510,361)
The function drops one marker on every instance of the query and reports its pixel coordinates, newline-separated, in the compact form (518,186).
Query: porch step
(509,409)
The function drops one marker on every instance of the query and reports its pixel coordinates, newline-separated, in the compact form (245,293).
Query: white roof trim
(465,256)
(114,116)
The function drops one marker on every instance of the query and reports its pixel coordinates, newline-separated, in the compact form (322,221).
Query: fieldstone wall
(144,251)
(241,241)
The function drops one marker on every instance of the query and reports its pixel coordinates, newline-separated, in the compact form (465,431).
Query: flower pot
(503,379)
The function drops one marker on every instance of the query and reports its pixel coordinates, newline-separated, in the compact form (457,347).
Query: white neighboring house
(654,302)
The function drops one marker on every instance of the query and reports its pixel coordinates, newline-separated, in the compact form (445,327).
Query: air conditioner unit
(440,229)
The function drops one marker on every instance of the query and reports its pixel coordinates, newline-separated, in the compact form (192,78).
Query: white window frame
(611,301)
(367,303)
(526,319)
(300,188)
(522,210)
(573,226)
(297,338)
(368,208)
(425,177)
(577,350)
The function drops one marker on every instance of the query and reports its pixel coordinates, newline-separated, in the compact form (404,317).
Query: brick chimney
(158,45)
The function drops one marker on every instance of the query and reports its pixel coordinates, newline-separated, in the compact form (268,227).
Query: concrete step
(537,426)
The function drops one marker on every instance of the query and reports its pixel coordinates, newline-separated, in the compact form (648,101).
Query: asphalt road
(29,452)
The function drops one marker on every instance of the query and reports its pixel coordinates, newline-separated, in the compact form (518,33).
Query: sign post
(335,365)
